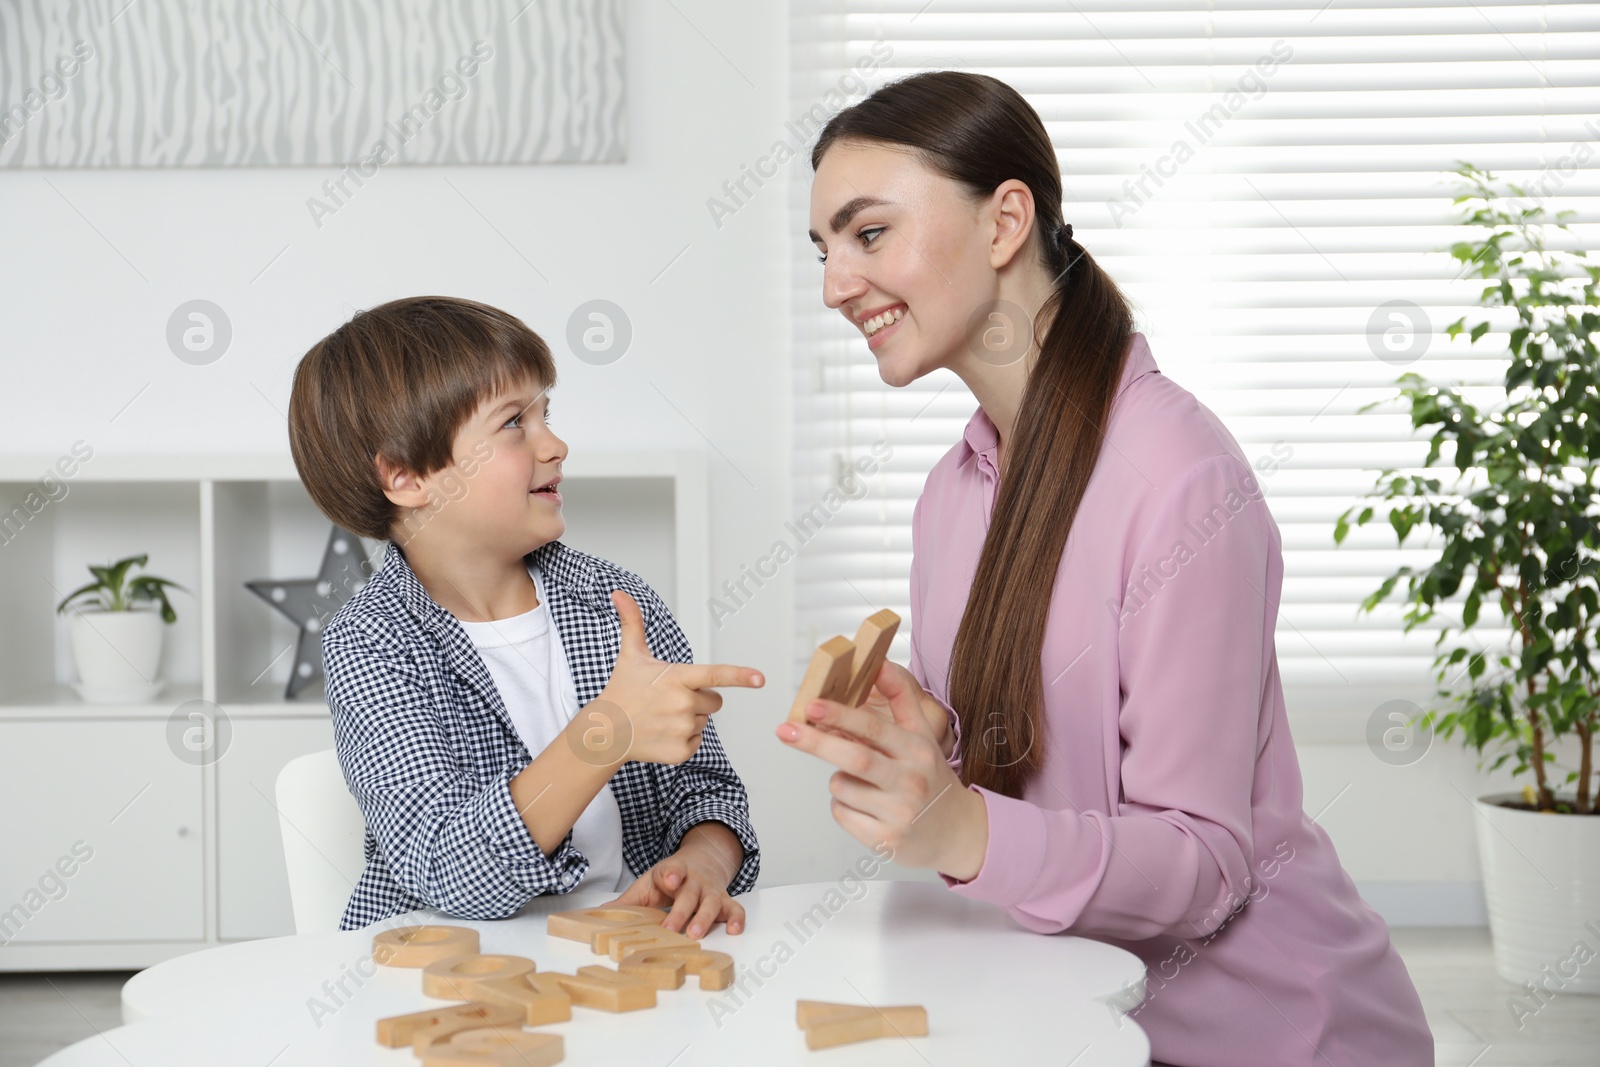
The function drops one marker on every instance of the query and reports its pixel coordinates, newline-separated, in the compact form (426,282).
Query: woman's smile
(889,322)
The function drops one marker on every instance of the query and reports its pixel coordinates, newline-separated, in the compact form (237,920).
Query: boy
(489,683)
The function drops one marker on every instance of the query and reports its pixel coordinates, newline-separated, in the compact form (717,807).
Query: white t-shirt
(529,666)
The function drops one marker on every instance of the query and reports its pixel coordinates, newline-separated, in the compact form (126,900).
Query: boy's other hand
(652,711)
(694,881)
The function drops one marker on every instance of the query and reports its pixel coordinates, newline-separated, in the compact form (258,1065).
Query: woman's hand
(694,880)
(894,785)
(932,710)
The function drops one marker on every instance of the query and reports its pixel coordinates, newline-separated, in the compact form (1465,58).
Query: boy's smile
(549,490)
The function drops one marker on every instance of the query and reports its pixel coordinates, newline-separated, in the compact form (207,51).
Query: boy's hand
(651,711)
(694,880)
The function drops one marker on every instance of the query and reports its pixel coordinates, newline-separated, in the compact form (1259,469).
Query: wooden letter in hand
(827,1025)
(843,671)
(828,677)
(872,648)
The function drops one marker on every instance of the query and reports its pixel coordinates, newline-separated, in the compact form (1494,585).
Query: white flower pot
(118,655)
(1541,880)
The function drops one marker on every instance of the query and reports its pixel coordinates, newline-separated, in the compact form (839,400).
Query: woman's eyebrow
(851,209)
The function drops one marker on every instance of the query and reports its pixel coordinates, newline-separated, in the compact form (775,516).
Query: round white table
(994,992)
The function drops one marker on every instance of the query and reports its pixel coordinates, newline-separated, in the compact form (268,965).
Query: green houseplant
(116,631)
(1516,530)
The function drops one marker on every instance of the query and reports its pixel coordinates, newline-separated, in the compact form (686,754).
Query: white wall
(95,262)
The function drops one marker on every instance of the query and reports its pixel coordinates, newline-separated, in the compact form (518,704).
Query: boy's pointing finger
(717,675)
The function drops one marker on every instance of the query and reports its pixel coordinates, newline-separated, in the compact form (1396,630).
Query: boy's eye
(515,421)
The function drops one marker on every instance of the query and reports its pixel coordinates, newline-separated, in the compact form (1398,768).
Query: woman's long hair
(980,132)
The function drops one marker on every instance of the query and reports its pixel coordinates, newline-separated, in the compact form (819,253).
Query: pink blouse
(1167,817)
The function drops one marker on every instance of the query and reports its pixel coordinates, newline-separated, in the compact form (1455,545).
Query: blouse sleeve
(1193,654)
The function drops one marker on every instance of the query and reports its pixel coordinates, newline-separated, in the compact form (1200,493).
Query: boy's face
(500,493)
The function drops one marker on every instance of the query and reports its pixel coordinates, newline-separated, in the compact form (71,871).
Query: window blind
(1280,228)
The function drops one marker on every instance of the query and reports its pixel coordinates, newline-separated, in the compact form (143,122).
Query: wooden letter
(871,649)
(828,677)
(596,987)
(618,944)
(662,971)
(499,980)
(422,1028)
(657,965)
(496,1048)
(584,923)
(418,946)
(827,1025)
(456,977)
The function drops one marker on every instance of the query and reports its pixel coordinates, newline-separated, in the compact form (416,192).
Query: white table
(995,994)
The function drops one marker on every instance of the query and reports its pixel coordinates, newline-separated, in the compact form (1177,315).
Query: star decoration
(310,602)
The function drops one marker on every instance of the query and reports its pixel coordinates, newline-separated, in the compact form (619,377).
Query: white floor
(1465,1000)
(41,1013)
(1467,1006)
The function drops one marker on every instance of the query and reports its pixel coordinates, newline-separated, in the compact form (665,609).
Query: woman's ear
(1012,214)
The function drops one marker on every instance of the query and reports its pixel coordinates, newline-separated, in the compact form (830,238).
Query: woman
(1094,585)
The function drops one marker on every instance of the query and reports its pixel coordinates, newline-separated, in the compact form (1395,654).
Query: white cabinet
(88,808)
(179,848)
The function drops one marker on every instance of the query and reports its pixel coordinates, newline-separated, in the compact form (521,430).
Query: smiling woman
(949,274)
(1117,722)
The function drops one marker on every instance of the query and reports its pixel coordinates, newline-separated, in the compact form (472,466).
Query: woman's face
(907,256)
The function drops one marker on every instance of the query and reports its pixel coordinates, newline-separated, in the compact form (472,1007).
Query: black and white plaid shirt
(428,749)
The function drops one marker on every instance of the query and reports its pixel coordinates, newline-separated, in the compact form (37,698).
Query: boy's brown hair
(400,379)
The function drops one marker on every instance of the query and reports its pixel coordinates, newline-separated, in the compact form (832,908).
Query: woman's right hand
(932,710)
(891,786)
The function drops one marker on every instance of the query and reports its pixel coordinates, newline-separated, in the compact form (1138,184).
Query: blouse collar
(981,437)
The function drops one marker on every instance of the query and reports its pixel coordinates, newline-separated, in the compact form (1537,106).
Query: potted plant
(1516,531)
(116,631)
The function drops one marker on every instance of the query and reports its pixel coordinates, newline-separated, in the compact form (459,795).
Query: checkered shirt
(428,749)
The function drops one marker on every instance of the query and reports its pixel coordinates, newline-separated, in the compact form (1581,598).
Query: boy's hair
(400,379)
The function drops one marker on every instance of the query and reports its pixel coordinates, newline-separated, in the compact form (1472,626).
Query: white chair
(323,835)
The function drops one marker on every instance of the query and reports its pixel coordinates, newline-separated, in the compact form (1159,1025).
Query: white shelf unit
(183,856)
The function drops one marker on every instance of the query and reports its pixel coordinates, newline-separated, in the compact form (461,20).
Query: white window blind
(1259,221)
